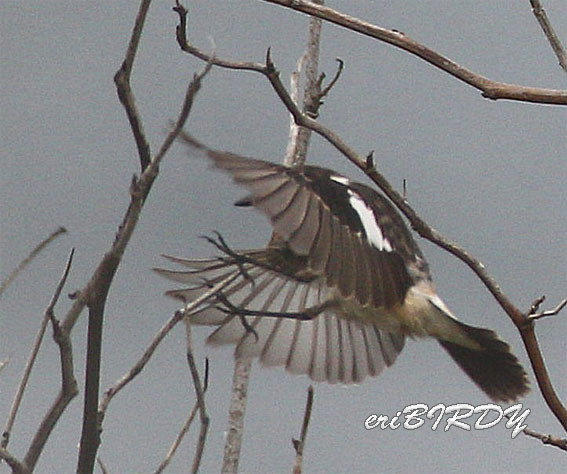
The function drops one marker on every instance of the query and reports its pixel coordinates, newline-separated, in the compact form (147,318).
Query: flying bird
(337,290)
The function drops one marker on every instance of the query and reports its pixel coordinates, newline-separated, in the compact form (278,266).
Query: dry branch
(490,89)
(200,392)
(25,262)
(556,441)
(68,386)
(299,444)
(186,426)
(549,33)
(237,410)
(95,293)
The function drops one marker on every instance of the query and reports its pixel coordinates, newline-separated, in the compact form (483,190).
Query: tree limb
(96,291)
(549,33)
(490,89)
(299,444)
(68,384)
(200,392)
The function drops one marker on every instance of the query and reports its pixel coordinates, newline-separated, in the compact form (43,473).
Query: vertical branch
(299,444)
(300,136)
(237,410)
(122,80)
(295,155)
(38,338)
(200,391)
(68,383)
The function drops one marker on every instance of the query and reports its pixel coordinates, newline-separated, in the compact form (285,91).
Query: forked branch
(490,89)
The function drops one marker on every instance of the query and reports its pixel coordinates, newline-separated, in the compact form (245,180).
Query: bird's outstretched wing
(327,347)
(350,234)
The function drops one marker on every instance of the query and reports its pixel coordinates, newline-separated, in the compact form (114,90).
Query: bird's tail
(492,366)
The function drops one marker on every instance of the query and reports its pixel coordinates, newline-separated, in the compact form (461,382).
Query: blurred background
(489,175)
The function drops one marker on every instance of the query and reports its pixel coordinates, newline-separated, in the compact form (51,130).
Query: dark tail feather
(493,368)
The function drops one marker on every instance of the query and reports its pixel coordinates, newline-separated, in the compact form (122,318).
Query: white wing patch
(340,180)
(373,231)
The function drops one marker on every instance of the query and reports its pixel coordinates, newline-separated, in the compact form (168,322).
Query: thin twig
(24,263)
(124,90)
(48,314)
(490,89)
(68,389)
(185,427)
(549,32)
(299,444)
(148,353)
(173,449)
(184,44)
(551,312)
(12,461)
(101,465)
(200,392)
(556,441)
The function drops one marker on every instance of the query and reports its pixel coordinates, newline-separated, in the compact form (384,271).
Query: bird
(337,290)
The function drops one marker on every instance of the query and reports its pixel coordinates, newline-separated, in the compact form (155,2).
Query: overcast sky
(489,175)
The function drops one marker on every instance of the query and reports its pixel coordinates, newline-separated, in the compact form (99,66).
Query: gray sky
(490,175)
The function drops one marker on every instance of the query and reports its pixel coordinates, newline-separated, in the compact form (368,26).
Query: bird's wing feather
(323,218)
(327,347)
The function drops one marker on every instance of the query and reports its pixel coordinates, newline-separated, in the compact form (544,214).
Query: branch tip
(533,314)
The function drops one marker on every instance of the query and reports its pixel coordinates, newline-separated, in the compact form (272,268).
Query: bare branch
(17,466)
(68,383)
(299,444)
(490,89)
(164,331)
(311,95)
(138,366)
(533,314)
(177,442)
(291,150)
(186,426)
(47,316)
(237,410)
(200,392)
(24,263)
(181,34)
(549,32)
(96,291)
(561,443)
(124,89)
